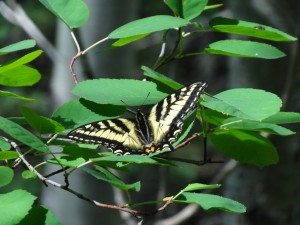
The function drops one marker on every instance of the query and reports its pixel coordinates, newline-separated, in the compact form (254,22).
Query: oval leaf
(67,161)
(240,48)
(14,206)
(148,25)
(42,124)
(245,147)
(27,174)
(74,13)
(283,118)
(107,176)
(129,92)
(241,27)
(20,61)
(13,95)
(244,103)
(6,176)
(81,111)
(7,155)
(22,135)
(21,45)
(4,145)
(211,203)
(236,123)
(20,76)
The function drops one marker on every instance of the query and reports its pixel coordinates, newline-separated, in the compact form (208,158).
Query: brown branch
(71,66)
(47,181)
(187,141)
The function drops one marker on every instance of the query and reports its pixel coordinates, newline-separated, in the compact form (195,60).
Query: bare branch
(15,14)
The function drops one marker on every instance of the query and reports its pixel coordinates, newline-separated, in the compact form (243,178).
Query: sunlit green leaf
(7,155)
(14,206)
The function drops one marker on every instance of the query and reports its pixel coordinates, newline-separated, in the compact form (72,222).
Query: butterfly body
(146,133)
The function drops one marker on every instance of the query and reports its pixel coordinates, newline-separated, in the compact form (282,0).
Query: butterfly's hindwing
(146,133)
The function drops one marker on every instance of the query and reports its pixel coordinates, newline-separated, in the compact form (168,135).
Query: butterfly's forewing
(166,117)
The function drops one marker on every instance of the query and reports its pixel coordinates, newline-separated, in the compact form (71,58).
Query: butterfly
(147,132)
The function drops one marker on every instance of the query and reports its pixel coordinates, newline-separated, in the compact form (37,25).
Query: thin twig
(71,67)
(46,181)
(187,141)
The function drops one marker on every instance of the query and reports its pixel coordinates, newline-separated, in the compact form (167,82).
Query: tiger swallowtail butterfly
(147,132)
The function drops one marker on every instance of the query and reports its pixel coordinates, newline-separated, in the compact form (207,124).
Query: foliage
(237,122)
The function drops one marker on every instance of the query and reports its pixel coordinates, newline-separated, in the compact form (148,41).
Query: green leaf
(107,176)
(283,118)
(128,40)
(13,95)
(27,174)
(6,176)
(198,186)
(241,48)
(77,151)
(148,25)
(236,123)
(241,27)
(246,147)
(211,203)
(187,9)
(137,159)
(214,6)
(22,135)
(212,116)
(244,103)
(80,111)
(161,78)
(20,61)
(41,216)
(74,13)
(67,161)
(42,124)
(129,92)
(20,76)
(21,45)
(4,145)
(14,206)
(7,155)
